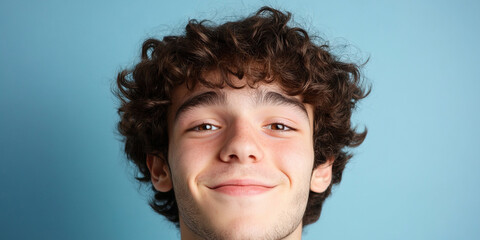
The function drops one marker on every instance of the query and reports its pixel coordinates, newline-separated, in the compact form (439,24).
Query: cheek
(189,157)
(294,158)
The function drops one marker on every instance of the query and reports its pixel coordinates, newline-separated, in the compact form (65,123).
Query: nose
(241,144)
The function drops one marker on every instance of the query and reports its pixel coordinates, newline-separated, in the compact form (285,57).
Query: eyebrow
(278,99)
(206,98)
(261,98)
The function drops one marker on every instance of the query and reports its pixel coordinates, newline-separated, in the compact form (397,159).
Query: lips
(242,187)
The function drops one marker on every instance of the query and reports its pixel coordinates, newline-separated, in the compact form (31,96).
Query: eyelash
(211,127)
(203,125)
(285,127)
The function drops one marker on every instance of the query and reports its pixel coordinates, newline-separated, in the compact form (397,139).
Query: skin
(240,161)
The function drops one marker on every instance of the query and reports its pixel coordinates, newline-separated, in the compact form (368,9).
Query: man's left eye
(278,127)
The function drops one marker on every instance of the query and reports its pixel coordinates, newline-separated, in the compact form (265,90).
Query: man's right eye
(204,127)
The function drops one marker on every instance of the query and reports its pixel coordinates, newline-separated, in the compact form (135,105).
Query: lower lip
(236,190)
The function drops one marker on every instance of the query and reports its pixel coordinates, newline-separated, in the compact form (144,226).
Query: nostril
(241,147)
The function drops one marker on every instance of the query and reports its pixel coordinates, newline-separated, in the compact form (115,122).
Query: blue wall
(63,174)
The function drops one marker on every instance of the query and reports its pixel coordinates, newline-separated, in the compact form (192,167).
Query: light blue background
(64,176)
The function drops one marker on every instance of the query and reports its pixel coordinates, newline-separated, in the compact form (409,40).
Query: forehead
(265,95)
(214,77)
(200,96)
(261,93)
(182,93)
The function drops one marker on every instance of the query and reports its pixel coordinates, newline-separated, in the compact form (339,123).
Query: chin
(254,228)
(246,232)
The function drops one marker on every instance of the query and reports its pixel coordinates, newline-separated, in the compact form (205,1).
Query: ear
(160,173)
(322,176)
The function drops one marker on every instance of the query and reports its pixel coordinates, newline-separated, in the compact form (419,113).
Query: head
(239,128)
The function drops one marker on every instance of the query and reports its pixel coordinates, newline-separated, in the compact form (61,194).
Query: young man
(240,128)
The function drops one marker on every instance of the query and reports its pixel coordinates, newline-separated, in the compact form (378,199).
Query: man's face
(241,161)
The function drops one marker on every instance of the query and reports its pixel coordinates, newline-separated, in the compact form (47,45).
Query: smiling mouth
(241,188)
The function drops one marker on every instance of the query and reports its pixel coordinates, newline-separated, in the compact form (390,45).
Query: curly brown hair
(260,48)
